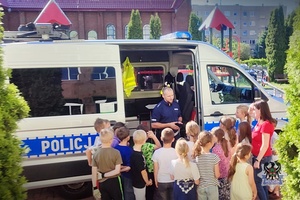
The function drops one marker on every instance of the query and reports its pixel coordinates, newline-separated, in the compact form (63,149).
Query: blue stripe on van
(49,146)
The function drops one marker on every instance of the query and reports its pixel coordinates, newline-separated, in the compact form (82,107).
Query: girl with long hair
(185,173)
(261,137)
(230,133)
(221,149)
(241,175)
(192,130)
(245,134)
(242,113)
(208,166)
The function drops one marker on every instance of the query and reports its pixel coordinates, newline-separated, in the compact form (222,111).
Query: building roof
(216,19)
(52,13)
(99,5)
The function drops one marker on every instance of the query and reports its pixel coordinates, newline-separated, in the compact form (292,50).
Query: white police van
(68,84)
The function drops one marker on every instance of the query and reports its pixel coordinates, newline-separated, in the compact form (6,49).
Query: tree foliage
(289,26)
(288,143)
(42,90)
(276,43)
(261,45)
(155,27)
(12,108)
(135,27)
(194,24)
(260,61)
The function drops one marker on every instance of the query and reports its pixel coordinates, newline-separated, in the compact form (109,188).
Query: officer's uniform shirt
(165,112)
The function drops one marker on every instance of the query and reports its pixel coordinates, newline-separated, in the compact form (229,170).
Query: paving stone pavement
(47,194)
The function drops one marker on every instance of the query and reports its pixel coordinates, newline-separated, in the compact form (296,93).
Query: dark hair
(122,133)
(203,139)
(220,135)
(245,131)
(265,113)
(241,151)
(227,123)
(118,125)
(143,127)
(167,135)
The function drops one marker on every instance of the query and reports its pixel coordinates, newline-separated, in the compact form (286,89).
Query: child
(274,189)
(230,134)
(138,166)
(116,140)
(106,165)
(98,125)
(208,166)
(148,149)
(186,174)
(245,133)
(162,158)
(126,151)
(192,130)
(242,113)
(221,149)
(241,175)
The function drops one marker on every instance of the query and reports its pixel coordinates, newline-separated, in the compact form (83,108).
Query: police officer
(167,114)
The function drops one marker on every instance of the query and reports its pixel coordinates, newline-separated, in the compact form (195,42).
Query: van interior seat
(178,86)
(186,101)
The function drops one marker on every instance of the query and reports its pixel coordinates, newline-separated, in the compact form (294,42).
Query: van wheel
(76,190)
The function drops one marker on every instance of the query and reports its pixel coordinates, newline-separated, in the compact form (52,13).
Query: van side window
(149,78)
(228,85)
(70,73)
(49,94)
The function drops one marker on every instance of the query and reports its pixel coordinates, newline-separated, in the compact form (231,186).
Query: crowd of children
(205,165)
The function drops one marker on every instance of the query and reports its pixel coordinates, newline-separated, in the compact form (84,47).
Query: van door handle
(216,114)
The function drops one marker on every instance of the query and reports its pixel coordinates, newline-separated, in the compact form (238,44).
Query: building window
(74,35)
(252,14)
(92,35)
(206,13)
(234,32)
(146,32)
(70,73)
(235,13)
(110,32)
(252,23)
(244,41)
(252,41)
(234,23)
(245,33)
(126,32)
(227,13)
(252,32)
(101,73)
(245,14)
(207,32)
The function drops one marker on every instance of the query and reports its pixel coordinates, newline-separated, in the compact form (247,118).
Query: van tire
(76,190)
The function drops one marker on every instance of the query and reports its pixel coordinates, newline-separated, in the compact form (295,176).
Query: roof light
(177,35)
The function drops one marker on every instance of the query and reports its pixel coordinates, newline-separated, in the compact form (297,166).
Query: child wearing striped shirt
(208,166)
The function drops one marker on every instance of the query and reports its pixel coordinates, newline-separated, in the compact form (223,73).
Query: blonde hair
(139,137)
(244,109)
(203,139)
(192,129)
(106,135)
(182,149)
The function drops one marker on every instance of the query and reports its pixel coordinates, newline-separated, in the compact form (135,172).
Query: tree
(13,107)
(155,27)
(261,45)
(135,29)
(276,43)
(288,143)
(289,26)
(194,24)
(42,90)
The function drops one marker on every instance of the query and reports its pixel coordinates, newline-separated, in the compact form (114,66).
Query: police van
(68,84)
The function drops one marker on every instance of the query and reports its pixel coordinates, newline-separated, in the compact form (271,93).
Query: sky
(291,4)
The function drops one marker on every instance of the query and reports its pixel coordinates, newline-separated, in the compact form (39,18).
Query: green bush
(288,144)
(12,108)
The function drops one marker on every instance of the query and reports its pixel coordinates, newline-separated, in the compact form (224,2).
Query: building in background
(248,21)
(105,19)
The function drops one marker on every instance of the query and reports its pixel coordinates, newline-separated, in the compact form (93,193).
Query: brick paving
(47,194)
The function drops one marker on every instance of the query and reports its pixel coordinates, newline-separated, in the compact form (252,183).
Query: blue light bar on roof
(177,35)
